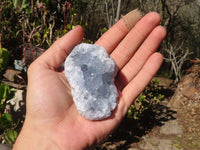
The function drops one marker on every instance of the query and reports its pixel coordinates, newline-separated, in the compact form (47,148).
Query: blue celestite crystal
(91,72)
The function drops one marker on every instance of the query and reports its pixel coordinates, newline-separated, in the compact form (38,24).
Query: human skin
(52,121)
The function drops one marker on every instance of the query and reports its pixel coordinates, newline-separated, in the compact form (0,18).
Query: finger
(150,45)
(116,33)
(126,49)
(58,52)
(138,84)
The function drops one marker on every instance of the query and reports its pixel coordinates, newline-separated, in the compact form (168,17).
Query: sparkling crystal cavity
(91,72)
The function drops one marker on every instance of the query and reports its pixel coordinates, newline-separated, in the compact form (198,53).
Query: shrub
(150,97)
(7,125)
(4,58)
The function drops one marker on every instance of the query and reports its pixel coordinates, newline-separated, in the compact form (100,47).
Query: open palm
(52,117)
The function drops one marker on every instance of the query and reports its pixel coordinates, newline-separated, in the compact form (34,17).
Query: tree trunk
(118,11)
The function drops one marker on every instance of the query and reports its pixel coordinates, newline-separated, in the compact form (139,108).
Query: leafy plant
(7,125)
(10,136)
(150,97)
(16,3)
(5,93)
(4,58)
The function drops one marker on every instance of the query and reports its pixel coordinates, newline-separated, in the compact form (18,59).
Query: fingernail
(132,18)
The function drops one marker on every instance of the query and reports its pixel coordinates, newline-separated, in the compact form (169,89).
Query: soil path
(162,128)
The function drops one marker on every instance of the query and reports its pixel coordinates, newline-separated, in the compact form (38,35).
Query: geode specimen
(91,72)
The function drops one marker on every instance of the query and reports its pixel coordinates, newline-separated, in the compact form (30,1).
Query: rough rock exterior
(188,89)
(90,72)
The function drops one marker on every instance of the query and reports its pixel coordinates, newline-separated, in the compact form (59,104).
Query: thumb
(58,52)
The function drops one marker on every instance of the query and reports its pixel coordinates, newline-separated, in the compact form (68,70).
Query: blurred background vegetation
(25,24)
(33,25)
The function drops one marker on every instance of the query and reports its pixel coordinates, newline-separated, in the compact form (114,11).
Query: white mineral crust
(91,72)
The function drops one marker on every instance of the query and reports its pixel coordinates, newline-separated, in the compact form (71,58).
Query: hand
(52,120)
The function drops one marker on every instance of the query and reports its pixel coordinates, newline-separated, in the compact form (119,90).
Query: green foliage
(46,2)
(9,25)
(5,94)
(10,136)
(37,23)
(15,2)
(145,101)
(6,121)
(7,125)
(4,58)
(103,30)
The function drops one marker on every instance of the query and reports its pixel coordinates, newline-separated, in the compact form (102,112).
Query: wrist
(32,138)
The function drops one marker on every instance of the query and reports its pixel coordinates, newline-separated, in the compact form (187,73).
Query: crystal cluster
(91,72)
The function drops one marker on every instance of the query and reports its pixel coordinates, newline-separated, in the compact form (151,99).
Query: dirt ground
(161,128)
